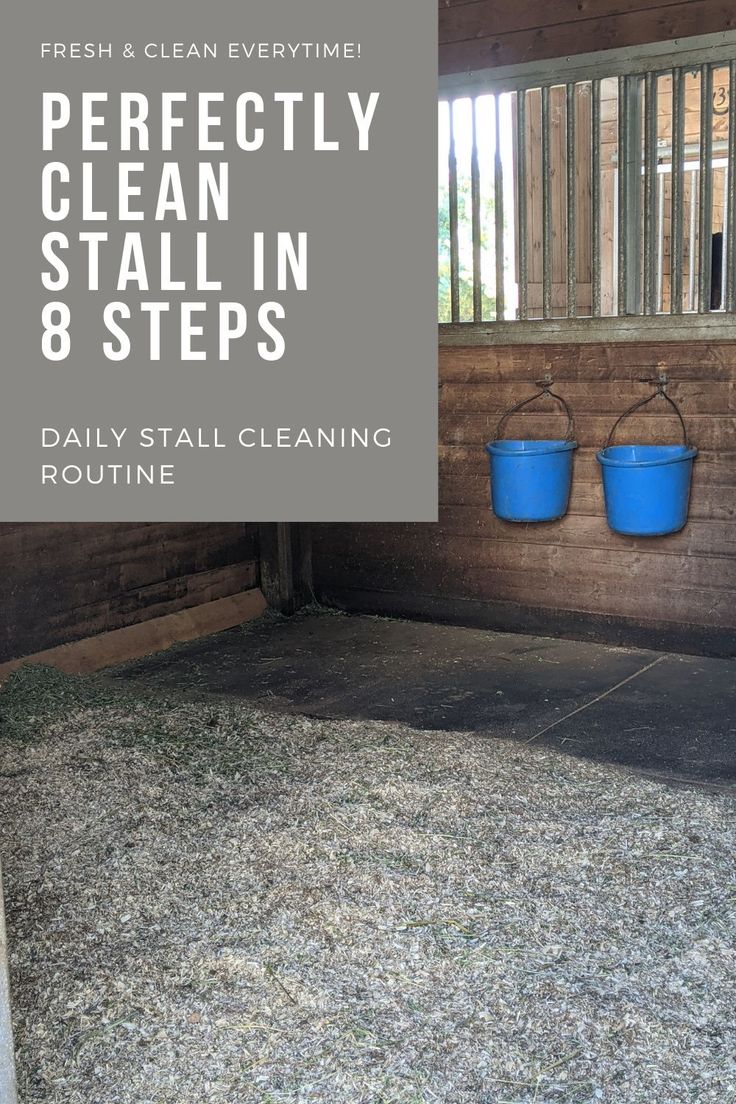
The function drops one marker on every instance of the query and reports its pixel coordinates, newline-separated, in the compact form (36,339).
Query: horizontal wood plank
(589,397)
(508,578)
(592,363)
(704,431)
(458,22)
(64,582)
(614,557)
(134,641)
(619,30)
(461,486)
(489,613)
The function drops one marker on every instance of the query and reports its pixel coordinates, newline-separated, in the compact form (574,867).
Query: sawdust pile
(211,904)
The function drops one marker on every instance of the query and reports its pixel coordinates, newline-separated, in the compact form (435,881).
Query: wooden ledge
(120,645)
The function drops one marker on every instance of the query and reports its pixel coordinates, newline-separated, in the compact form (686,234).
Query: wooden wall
(574,575)
(63,582)
(477,34)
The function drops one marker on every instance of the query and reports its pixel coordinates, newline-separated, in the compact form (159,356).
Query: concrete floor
(669,716)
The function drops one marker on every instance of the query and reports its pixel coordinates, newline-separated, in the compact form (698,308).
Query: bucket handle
(661,383)
(544,386)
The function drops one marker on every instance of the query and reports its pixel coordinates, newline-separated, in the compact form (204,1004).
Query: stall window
(593,194)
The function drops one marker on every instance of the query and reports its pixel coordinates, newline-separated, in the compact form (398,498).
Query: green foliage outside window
(465,252)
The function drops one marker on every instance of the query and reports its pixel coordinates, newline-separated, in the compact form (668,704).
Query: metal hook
(660,381)
(545,389)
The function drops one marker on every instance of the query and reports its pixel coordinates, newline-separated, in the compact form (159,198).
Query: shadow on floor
(669,716)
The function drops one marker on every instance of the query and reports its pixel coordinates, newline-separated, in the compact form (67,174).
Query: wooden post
(286,565)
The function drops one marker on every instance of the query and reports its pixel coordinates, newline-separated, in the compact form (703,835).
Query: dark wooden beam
(518,618)
(492,39)
(286,565)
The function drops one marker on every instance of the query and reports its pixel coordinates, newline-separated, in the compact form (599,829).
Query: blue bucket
(647,487)
(530,480)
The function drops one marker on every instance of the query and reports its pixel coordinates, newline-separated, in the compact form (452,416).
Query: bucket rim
(539,448)
(685,452)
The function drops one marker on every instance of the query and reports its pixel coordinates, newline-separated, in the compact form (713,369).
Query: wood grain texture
(122,645)
(496,615)
(462,20)
(576,566)
(64,582)
(487,33)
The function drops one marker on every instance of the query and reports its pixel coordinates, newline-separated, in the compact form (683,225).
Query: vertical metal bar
(454,250)
(692,238)
(729,239)
(623,116)
(634,86)
(725,233)
(723,242)
(570,160)
(650,191)
(498,209)
(660,243)
(546,209)
(475,210)
(521,203)
(705,221)
(595,196)
(678,180)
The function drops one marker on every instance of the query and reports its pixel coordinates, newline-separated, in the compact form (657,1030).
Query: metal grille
(611,194)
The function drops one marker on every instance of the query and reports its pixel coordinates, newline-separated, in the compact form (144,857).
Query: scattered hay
(207,903)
